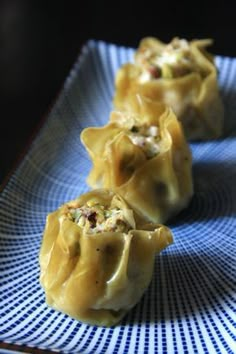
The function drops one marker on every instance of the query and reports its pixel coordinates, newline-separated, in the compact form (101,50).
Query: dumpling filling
(175,60)
(147,138)
(97,218)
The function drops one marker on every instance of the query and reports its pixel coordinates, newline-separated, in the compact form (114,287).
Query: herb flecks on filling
(147,138)
(175,60)
(97,218)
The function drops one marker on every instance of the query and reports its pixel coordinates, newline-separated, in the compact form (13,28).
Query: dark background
(40,40)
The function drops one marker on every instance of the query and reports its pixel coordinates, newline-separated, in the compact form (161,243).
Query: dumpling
(95,263)
(143,155)
(181,74)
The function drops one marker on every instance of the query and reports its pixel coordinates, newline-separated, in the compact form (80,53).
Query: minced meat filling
(175,60)
(147,138)
(97,218)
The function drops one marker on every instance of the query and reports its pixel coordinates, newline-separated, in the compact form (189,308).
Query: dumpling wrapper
(156,188)
(194,96)
(97,277)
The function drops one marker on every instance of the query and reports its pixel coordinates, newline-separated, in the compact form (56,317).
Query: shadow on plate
(229,101)
(214,191)
(184,286)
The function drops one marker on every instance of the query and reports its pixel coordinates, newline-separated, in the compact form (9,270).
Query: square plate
(190,304)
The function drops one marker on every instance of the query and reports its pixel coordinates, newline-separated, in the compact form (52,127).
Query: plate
(190,304)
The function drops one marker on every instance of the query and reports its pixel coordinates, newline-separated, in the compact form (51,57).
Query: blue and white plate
(190,304)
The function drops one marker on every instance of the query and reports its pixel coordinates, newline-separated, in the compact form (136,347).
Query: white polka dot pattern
(190,304)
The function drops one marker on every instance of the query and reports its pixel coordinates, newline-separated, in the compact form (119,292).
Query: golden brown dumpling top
(174,60)
(180,74)
(143,155)
(95,264)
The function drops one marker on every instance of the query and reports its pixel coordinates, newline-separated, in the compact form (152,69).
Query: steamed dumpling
(142,154)
(95,263)
(181,74)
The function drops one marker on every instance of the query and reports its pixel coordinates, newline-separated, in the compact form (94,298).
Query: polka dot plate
(190,304)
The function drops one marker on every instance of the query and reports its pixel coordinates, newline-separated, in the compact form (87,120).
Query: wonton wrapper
(156,188)
(194,98)
(97,277)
